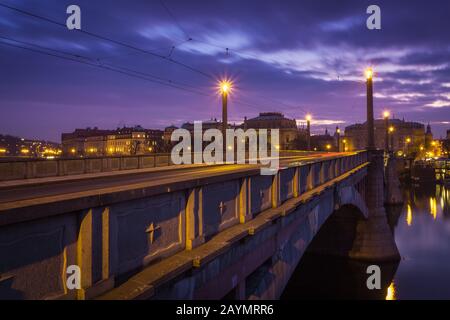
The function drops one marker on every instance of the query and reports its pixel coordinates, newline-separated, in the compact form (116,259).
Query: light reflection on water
(422,232)
(424,244)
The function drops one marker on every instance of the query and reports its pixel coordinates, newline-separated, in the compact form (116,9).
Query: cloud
(438,104)
(320,122)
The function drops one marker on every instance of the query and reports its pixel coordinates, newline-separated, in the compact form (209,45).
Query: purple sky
(288,56)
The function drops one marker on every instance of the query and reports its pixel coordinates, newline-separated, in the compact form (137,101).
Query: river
(422,233)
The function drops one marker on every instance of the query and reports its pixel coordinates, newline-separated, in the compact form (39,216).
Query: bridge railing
(113,232)
(43,168)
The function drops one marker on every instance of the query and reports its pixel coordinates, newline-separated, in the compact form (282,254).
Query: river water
(422,233)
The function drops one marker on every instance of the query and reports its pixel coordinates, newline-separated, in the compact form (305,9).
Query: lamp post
(370,127)
(391,132)
(338,135)
(308,131)
(225,87)
(386,126)
(407,141)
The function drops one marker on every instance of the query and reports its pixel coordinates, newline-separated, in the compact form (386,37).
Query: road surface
(26,189)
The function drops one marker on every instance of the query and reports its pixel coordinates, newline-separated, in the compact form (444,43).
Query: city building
(323,142)
(80,142)
(405,136)
(122,141)
(276,120)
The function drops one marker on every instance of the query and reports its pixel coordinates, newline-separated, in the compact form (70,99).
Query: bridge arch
(350,196)
(336,236)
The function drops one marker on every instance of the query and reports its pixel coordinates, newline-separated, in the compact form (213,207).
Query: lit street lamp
(391,132)
(370,127)
(386,126)
(225,88)
(407,141)
(338,135)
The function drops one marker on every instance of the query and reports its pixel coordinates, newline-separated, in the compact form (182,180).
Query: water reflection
(324,277)
(409,215)
(422,233)
(391,292)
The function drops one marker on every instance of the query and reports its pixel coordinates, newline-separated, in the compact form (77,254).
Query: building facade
(276,120)
(404,136)
(120,142)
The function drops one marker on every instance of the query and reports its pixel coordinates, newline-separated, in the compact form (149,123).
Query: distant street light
(391,132)
(338,136)
(407,141)
(386,126)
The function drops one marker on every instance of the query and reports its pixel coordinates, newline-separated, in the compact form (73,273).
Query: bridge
(187,232)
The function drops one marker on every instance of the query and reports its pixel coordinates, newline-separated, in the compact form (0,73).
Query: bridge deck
(14,194)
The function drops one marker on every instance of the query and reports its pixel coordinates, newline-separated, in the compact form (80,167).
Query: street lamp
(225,88)
(308,131)
(391,132)
(338,135)
(386,126)
(370,127)
(407,141)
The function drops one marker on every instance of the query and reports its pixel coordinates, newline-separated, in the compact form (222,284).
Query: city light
(328,146)
(391,129)
(73,150)
(408,140)
(308,117)
(369,73)
(25,151)
(2,150)
(386,114)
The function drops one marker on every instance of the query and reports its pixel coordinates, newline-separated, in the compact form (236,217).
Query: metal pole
(370,127)
(308,135)
(224,122)
(386,143)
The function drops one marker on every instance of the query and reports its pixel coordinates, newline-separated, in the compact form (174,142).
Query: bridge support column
(374,240)
(393,192)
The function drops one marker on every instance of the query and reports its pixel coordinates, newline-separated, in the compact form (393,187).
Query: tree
(135,146)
